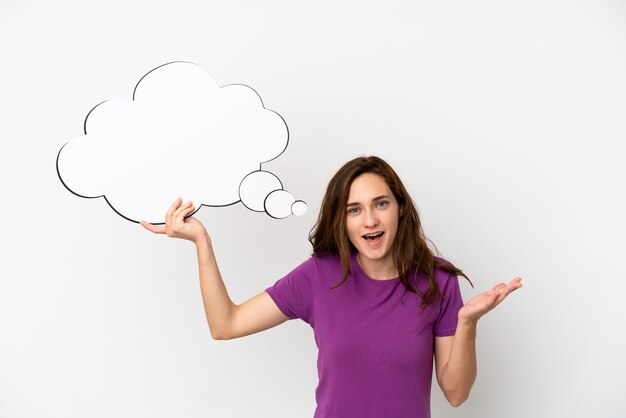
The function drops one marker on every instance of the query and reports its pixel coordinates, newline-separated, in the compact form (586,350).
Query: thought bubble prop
(180,135)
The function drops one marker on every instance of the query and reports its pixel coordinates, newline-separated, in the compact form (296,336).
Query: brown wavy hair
(410,250)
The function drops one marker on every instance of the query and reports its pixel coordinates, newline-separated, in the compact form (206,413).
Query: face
(372,220)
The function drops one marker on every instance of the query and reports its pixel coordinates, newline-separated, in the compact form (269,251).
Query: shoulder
(326,268)
(326,259)
(442,261)
(439,266)
(315,264)
(442,276)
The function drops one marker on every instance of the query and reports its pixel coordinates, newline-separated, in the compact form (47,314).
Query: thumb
(157,229)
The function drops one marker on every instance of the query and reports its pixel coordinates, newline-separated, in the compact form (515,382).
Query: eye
(382,204)
(353,210)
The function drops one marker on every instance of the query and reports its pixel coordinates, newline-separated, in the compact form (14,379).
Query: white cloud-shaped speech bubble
(181,135)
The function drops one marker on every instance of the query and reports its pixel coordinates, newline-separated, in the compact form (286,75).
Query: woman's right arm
(226,320)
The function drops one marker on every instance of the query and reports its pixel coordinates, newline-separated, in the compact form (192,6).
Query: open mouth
(374,236)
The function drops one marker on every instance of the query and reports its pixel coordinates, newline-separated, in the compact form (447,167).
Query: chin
(374,255)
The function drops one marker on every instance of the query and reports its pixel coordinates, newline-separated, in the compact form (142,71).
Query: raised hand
(484,302)
(176,225)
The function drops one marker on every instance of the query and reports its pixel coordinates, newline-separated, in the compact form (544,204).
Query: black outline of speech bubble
(133,99)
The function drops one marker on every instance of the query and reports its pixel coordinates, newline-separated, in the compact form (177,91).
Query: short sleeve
(451,303)
(293,294)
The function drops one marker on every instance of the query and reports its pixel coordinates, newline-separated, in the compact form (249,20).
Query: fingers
(515,284)
(509,288)
(495,292)
(178,218)
(175,223)
(512,285)
(173,207)
(184,208)
(175,213)
(497,288)
(191,209)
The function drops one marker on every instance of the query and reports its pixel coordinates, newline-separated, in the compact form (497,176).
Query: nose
(370,219)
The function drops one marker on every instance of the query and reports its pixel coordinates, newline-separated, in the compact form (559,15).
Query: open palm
(484,302)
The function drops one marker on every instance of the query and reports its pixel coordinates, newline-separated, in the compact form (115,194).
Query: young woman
(379,302)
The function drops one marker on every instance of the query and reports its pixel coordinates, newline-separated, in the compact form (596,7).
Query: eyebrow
(382,196)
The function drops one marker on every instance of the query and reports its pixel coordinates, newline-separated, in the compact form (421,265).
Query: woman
(379,302)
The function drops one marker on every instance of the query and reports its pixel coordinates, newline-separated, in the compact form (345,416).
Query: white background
(506,121)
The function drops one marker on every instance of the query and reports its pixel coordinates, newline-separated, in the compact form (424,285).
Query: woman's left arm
(455,356)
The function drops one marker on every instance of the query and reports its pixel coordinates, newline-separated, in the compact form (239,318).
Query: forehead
(368,186)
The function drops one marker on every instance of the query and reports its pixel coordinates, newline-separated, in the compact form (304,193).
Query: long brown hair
(410,251)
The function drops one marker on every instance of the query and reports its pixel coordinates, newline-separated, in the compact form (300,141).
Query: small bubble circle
(298,208)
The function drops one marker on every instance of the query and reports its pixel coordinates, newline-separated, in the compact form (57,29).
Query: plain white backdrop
(506,121)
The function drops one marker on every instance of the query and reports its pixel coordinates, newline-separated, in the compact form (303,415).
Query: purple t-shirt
(375,353)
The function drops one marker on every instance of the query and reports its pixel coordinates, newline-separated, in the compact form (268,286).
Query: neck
(378,269)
